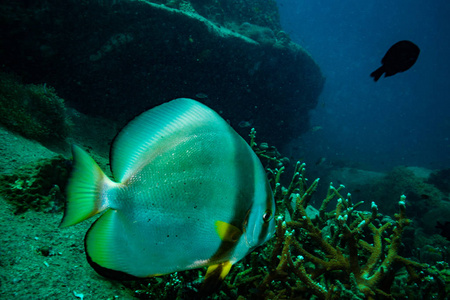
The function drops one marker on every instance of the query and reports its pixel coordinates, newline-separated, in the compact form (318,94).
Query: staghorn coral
(344,253)
(337,270)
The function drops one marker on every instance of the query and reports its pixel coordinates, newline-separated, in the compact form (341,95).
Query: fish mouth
(248,237)
(255,238)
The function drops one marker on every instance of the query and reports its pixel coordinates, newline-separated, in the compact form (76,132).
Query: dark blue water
(399,120)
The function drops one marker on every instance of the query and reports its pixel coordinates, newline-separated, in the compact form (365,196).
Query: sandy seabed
(39,260)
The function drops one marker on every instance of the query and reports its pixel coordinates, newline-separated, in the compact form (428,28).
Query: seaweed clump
(34,111)
(38,186)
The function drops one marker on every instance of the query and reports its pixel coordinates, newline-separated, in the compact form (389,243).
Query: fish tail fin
(85,188)
(377,73)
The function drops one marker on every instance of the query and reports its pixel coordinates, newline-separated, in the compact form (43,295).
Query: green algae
(34,111)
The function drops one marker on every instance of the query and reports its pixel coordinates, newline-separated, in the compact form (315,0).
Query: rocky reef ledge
(118,58)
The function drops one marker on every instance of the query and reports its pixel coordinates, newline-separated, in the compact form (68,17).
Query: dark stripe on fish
(245,181)
(265,227)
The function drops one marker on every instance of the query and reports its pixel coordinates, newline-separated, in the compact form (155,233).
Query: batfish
(187,192)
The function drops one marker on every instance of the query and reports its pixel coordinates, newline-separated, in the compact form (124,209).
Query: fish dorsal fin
(154,129)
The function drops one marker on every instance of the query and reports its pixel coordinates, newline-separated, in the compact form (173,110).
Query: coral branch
(338,266)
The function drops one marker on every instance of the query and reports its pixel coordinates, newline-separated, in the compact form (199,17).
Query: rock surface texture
(118,58)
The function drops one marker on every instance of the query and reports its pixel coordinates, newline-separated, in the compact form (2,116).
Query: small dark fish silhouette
(399,58)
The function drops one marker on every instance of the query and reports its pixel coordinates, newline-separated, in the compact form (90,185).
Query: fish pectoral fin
(227,232)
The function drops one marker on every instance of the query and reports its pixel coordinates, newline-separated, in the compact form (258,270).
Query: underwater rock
(259,12)
(435,214)
(409,181)
(420,172)
(262,35)
(116,59)
(354,178)
(34,111)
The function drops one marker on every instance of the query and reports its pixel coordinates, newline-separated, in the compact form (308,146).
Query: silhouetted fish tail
(377,73)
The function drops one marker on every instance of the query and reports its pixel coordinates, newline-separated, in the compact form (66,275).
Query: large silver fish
(188,192)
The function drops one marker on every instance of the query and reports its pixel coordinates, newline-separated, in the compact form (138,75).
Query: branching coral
(344,253)
(332,262)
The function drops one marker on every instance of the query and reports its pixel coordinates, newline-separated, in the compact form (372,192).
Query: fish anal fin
(110,273)
(103,252)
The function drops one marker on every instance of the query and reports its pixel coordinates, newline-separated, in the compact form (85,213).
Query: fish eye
(267,216)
